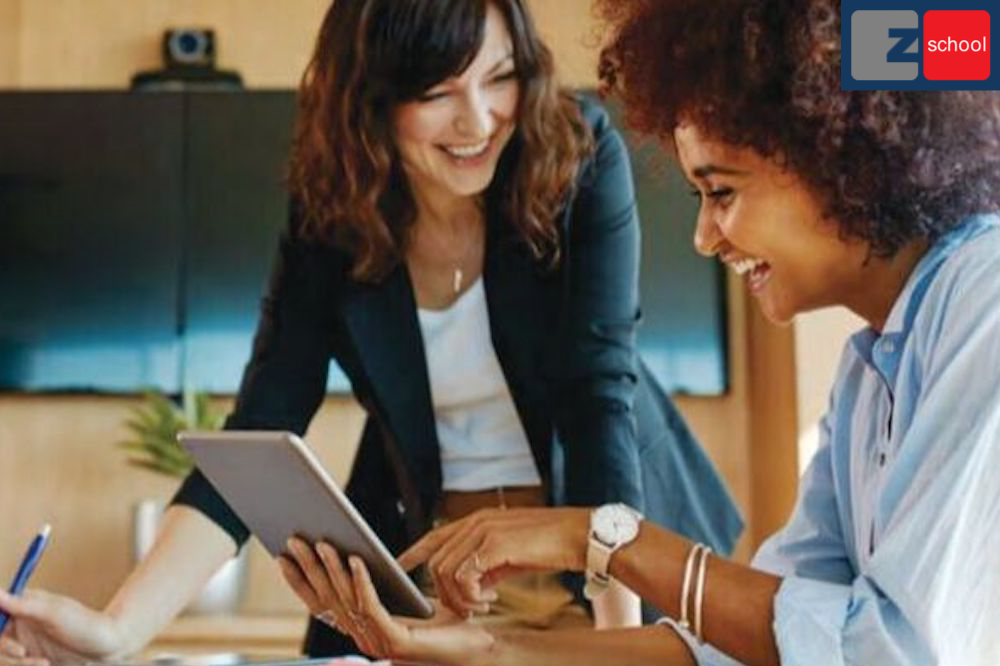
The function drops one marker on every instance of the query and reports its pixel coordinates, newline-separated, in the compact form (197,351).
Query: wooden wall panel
(772,396)
(10,33)
(567,26)
(101,43)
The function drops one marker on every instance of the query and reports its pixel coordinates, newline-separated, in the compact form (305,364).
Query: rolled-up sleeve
(824,624)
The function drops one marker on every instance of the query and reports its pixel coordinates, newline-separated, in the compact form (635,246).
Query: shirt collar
(884,350)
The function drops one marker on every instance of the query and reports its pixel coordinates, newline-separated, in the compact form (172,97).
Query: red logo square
(957,45)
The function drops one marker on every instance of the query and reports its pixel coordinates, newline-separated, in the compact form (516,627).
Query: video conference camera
(188,63)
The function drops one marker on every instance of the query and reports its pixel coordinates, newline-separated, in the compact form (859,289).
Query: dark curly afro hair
(765,74)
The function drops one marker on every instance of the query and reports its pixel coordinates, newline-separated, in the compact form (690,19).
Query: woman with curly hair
(881,202)
(464,243)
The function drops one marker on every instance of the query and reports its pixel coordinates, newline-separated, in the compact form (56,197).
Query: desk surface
(250,634)
(209,636)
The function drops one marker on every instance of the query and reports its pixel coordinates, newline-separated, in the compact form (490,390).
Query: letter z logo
(885,45)
(905,49)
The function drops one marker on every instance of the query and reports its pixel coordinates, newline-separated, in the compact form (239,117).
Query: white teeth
(744,266)
(468,151)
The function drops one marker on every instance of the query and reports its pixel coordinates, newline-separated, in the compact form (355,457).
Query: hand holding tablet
(281,492)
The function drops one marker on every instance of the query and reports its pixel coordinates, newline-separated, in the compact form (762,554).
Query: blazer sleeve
(594,415)
(285,379)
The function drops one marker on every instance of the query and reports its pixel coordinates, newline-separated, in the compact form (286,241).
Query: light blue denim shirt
(892,555)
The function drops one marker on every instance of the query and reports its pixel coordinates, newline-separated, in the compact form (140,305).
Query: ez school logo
(905,49)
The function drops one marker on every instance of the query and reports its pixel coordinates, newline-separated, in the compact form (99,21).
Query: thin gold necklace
(458,274)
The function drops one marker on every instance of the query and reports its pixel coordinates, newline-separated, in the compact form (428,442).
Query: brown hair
(765,74)
(372,55)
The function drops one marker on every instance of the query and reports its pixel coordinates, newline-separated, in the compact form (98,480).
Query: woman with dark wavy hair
(882,202)
(463,242)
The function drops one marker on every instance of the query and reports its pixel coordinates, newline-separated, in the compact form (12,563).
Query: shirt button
(881,460)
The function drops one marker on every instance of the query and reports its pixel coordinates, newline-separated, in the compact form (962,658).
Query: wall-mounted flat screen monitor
(90,241)
(137,231)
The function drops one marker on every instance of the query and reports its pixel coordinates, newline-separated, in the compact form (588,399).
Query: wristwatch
(611,527)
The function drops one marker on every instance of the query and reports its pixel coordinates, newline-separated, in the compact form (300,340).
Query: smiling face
(767,225)
(451,137)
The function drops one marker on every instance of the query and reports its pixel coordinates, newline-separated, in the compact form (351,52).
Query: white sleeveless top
(483,444)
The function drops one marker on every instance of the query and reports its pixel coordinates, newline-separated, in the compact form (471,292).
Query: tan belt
(456,504)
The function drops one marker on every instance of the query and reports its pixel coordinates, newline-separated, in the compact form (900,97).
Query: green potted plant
(152,445)
(154,426)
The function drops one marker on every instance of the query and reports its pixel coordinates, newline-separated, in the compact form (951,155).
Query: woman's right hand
(468,557)
(47,629)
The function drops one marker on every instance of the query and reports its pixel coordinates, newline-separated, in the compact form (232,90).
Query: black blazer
(599,427)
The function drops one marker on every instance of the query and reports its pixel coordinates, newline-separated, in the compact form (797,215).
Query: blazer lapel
(382,320)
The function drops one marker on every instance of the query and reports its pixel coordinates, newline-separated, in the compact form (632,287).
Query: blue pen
(27,567)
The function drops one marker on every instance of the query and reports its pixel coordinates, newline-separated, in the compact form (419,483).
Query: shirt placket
(884,351)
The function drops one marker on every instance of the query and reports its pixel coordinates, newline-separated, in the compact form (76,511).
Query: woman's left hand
(345,598)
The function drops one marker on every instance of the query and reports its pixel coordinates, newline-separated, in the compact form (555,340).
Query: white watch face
(615,524)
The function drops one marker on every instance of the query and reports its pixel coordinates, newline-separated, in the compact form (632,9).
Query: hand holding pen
(28,564)
(39,628)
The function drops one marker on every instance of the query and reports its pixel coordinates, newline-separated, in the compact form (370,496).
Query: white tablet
(279,489)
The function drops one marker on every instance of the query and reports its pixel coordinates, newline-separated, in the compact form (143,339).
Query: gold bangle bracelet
(683,622)
(699,593)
